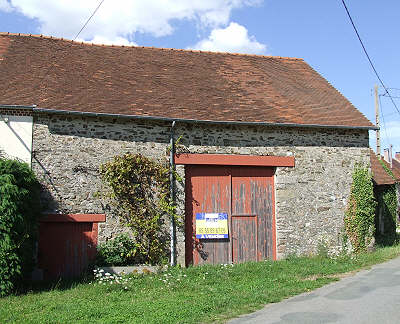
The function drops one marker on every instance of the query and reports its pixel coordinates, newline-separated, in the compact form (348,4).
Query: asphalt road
(370,296)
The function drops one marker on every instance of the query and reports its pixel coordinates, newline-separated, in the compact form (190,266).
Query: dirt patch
(337,276)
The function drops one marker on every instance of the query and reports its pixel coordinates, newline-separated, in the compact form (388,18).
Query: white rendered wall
(16,137)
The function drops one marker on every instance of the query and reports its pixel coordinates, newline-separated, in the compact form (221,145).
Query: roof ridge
(150,47)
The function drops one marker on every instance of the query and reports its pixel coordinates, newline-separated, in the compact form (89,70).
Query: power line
(49,69)
(369,59)
(394,97)
(87,21)
(391,114)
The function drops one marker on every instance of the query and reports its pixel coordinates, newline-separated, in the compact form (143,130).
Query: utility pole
(378,135)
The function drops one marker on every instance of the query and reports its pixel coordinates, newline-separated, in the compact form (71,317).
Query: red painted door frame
(232,160)
(241,192)
(238,160)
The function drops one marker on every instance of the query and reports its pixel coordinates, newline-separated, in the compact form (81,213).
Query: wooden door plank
(208,191)
(244,238)
(252,194)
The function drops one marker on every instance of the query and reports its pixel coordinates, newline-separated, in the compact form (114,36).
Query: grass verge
(192,295)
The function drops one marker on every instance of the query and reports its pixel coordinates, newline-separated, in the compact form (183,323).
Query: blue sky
(318,31)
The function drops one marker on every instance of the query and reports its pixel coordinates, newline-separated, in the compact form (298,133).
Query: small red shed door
(66,248)
(246,195)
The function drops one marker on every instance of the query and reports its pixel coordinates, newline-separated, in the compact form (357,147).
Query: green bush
(19,212)
(119,251)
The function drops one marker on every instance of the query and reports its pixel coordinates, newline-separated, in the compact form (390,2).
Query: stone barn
(270,145)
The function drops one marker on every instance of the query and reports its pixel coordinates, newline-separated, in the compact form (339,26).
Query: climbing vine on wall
(360,213)
(139,187)
(388,171)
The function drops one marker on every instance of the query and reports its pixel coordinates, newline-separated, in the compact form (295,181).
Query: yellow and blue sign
(211,225)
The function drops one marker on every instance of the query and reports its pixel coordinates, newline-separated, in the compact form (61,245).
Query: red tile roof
(180,84)
(396,166)
(379,174)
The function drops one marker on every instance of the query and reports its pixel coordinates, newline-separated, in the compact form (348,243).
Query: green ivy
(386,168)
(360,213)
(139,187)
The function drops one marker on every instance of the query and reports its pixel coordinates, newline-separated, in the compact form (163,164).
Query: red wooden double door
(246,194)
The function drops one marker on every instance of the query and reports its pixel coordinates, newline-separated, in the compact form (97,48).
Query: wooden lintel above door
(238,160)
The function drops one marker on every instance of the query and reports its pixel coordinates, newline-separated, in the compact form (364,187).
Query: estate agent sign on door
(211,225)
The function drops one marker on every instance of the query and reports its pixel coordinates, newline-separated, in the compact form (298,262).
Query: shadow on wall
(385,216)
(131,130)
(47,189)
(48,201)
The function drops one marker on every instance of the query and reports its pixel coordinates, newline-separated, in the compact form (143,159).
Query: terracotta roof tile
(380,176)
(65,75)
(396,168)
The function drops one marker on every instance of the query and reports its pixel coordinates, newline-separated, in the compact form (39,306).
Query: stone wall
(310,198)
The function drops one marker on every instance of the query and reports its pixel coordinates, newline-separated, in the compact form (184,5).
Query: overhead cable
(369,59)
(87,21)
